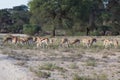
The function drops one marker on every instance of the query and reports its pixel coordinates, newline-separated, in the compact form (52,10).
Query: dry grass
(51,67)
(77,77)
(73,66)
(68,63)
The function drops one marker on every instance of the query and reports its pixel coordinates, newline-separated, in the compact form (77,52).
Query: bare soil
(94,63)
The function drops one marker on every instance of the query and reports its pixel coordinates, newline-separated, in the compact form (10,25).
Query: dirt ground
(64,64)
(74,63)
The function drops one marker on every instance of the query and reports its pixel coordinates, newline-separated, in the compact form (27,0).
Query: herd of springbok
(44,42)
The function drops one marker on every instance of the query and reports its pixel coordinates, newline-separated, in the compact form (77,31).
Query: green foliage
(43,74)
(20,8)
(101,77)
(51,67)
(95,33)
(91,62)
(30,29)
(61,13)
(13,19)
(77,77)
(71,15)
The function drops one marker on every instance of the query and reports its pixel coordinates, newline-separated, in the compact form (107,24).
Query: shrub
(77,77)
(43,74)
(51,67)
(91,63)
(31,29)
(95,33)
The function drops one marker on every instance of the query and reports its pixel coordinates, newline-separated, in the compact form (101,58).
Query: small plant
(77,77)
(40,73)
(79,55)
(53,46)
(51,67)
(21,63)
(43,74)
(105,56)
(73,66)
(91,63)
(101,77)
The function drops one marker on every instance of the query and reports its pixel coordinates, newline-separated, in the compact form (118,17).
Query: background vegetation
(63,17)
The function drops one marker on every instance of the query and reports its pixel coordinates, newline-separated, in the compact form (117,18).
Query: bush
(31,29)
(95,33)
(77,77)
(43,74)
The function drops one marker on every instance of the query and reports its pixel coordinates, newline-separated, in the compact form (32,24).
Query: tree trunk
(87,31)
(53,32)
(92,20)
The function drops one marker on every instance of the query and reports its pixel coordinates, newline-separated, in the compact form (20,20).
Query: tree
(20,16)
(5,20)
(20,8)
(56,12)
(31,29)
(63,12)
(12,20)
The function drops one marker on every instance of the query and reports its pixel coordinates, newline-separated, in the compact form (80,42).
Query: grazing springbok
(52,40)
(36,39)
(75,42)
(24,39)
(21,40)
(10,38)
(42,42)
(108,43)
(88,41)
(64,42)
(115,43)
(14,39)
(7,38)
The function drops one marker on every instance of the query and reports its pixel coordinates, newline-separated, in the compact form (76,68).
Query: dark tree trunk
(87,31)
(53,32)
(92,20)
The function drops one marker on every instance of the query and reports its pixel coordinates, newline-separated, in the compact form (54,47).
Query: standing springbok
(115,43)
(64,42)
(108,43)
(14,39)
(88,41)
(42,42)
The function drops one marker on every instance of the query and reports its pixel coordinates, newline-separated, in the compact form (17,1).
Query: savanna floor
(67,63)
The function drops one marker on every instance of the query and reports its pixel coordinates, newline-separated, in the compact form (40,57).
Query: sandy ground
(99,65)
(31,63)
(10,71)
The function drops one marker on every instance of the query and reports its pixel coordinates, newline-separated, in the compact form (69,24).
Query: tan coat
(88,41)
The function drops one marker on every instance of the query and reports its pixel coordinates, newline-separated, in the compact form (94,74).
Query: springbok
(75,42)
(88,41)
(115,43)
(14,39)
(7,38)
(42,42)
(24,40)
(11,38)
(64,42)
(108,43)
